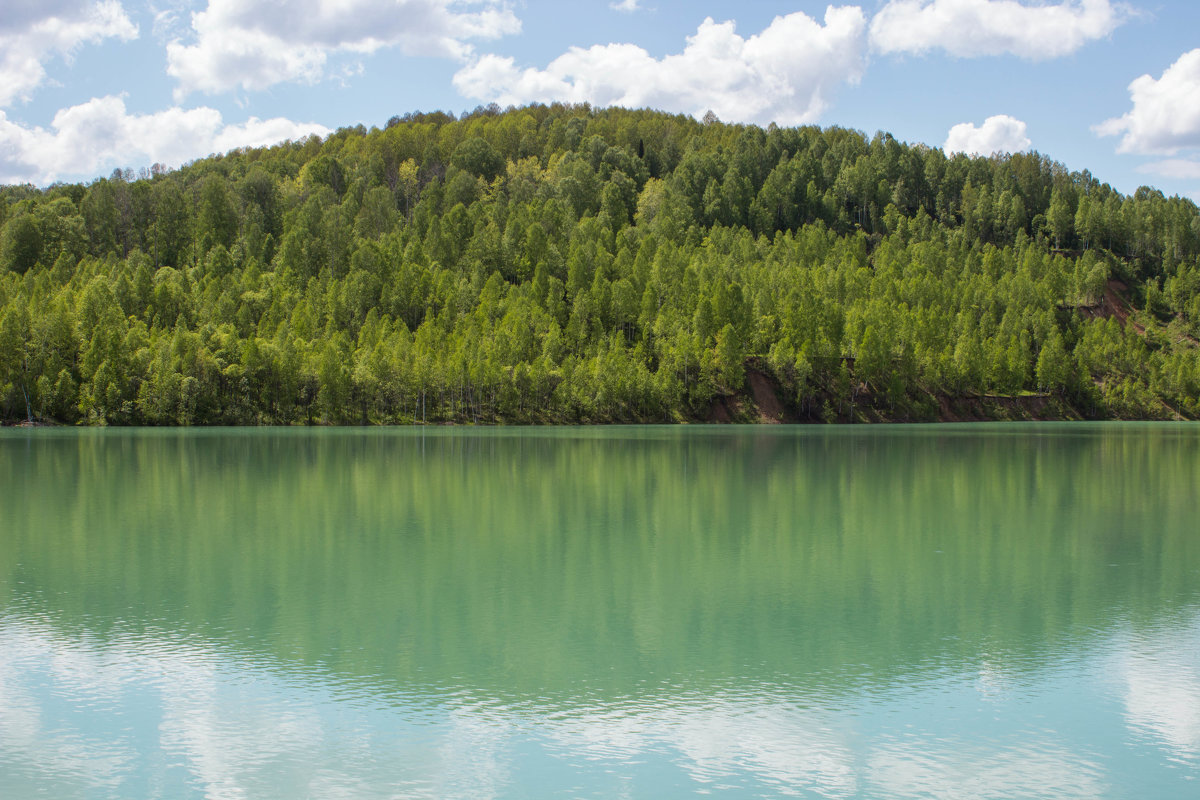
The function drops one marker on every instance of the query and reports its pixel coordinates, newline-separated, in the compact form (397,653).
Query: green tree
(1053,365)
(728,359)
(217,215)
(20,243)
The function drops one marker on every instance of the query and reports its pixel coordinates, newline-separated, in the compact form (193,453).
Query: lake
(843,612)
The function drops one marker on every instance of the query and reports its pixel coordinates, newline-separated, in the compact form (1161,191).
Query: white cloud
(628,6)
(1166,112)
(784,74)
(970,28)
(169,22)
(254,44)
(34,31)
(998,134)
(92,138)
(1172,168)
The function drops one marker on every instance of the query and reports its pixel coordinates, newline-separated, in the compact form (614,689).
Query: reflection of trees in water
(610,561)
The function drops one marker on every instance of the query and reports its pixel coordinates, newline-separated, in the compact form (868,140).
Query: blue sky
(1113,87)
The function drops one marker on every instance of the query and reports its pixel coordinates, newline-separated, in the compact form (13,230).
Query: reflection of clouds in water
(721,740)
(223,729)
(921,767)
(81,717)
(1161,671)
(472,762)
(783,746)
(237,731)
(39,753)
(224,751)
(83,671)
(796,751)
(233,730)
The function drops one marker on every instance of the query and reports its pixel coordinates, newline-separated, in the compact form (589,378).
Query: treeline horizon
(569,264)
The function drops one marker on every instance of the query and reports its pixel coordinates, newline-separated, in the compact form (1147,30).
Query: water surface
(941,611)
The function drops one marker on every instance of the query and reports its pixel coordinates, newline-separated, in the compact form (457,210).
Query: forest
(563,264)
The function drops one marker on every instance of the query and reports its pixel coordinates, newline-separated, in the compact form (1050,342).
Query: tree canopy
(562,264)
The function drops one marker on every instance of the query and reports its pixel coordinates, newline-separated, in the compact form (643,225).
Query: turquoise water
(916,611)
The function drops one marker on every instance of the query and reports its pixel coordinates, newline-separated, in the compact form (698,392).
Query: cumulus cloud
(628,6)
(34,31)
(91,138)
(254,44)
(784,74)
(1172,168)
(171,19)
(1166,112)
(998,134)
(970,28)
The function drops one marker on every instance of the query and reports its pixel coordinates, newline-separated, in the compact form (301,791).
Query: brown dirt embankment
(764,401)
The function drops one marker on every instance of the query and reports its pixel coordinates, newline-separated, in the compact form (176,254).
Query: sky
(87,86)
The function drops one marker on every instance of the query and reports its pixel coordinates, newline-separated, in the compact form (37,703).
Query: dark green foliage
(20,243)
(216,215)
(477,157)
(565,264)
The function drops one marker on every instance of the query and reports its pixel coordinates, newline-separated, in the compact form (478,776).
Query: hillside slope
(565,264)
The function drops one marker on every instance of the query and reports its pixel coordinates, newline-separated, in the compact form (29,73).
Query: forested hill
(566,264)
